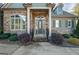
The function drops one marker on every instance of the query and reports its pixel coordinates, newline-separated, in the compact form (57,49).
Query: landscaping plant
(66,35)
(56,39)
(74,41)
(4,35)
(76,32)
(13,38)
(24,38)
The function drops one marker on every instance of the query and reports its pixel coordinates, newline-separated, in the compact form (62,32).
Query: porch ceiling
(38,12)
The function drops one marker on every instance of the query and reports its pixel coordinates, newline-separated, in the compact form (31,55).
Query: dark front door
(40,28)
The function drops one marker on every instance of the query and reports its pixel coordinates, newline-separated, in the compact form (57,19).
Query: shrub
(74,35)
(4,36)
(14,34)
(74,41)
(7,34)
(32,34)
(77,29)
(13,38)
(66,35)
(1,30)
(56,38)
(24,38)
(47,33)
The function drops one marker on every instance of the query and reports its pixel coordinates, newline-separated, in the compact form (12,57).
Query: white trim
(7,5)
(57,24)
(36,27)
(70,24)
(76,22)
(4,5)
(50,26)
(28,20)
(55,6)
(21,29)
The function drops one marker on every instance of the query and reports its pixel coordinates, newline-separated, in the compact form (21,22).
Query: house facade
(37,18)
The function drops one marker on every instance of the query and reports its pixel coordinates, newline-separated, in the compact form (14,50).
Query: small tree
(77,29)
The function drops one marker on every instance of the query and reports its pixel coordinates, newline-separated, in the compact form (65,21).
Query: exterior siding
(7,15)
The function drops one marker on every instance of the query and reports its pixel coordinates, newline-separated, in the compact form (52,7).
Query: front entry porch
(40,29)
(38,22)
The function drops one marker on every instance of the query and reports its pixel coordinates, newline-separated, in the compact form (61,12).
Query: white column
(28,20)
(50,21)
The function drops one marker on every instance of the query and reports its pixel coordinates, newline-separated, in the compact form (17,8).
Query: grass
(74,41)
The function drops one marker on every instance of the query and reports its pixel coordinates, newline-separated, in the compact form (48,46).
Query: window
(57,23)
(18,22)
(68,23)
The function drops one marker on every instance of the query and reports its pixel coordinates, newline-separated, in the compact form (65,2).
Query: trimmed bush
(14,34)
(74,41)
(77,29)
(74,35)
(66,35)
(5,36)
(24,38)
(32,34)
(13,38)
(56,38)
(1,30)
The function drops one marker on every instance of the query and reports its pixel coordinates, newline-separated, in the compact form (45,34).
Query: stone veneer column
(28,20)
(50,22)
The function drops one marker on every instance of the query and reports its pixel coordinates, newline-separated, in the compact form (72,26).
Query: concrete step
(40,39)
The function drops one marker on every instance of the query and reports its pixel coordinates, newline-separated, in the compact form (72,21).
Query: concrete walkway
(7,49)
(38,48)
(45,48)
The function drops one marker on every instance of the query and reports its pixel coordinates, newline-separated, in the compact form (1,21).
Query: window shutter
(53,23)
(72,23)
(59,23)
(66,23)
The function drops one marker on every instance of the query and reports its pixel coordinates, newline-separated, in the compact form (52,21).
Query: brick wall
(8,14)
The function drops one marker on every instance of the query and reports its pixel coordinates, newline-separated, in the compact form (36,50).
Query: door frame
(38,18)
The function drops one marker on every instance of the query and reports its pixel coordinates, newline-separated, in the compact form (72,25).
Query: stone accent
(62,30)
(7,14)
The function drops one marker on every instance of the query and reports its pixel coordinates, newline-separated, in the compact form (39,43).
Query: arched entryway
(40,26)
(40,29)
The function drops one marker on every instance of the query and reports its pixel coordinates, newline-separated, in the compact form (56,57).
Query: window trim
(57,23)
(20,29)
(68,24)
(54,24)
